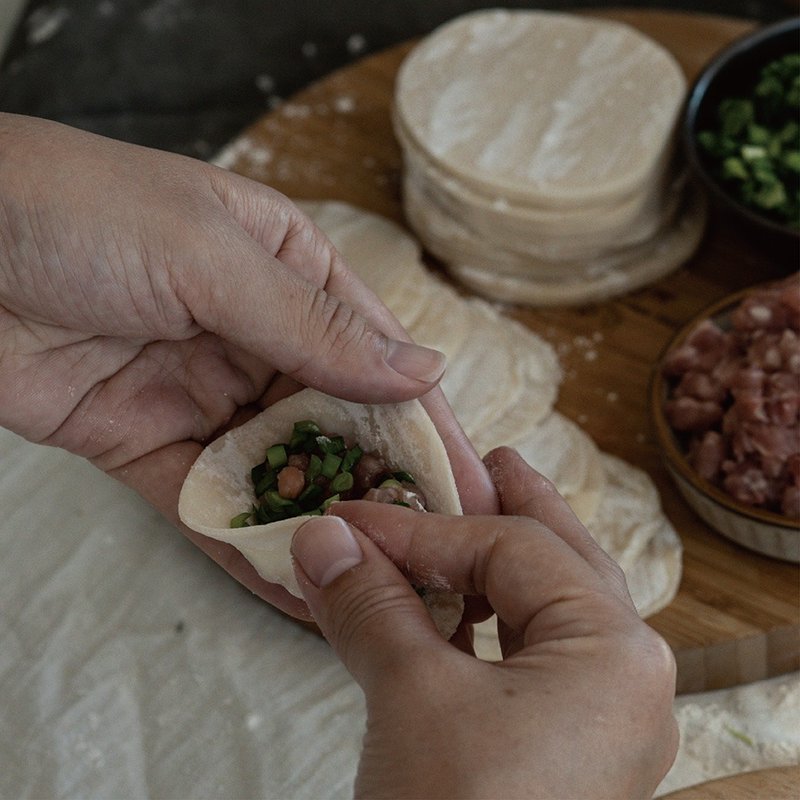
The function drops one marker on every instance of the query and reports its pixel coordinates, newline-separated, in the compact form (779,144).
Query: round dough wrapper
(594,280)
(454,237)
(528,104)
(441,320)
(218,486)
(629,218)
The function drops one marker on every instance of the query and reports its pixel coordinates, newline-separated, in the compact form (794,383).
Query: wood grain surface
(777,783)
(736,617)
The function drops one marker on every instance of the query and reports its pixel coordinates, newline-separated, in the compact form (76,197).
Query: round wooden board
(736,617)
(777,783)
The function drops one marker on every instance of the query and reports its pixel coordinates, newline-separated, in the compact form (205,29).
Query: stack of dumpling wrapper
(538,156)
(502,381)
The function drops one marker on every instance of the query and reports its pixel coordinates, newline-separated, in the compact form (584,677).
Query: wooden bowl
(757,529)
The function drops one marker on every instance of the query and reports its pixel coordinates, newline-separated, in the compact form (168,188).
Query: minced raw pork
(735,399)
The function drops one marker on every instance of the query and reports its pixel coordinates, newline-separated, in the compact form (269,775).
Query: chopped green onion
(342,482)
(329,502)
(241,520)
(257,473)
(328,445)
(276,502)
(297,444)
(268,481)
(400,503)
(391,483)
(751,152)
(310,495)
(330,465)
(264,515)
(351,458)
(754,145)
(276,456)
(735,168)
(314,467)
(403,476)
(303,435)
(307,426)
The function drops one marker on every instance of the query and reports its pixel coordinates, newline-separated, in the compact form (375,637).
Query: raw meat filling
(311,471)
(735,399)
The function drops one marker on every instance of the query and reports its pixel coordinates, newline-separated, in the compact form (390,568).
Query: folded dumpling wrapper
(218,486)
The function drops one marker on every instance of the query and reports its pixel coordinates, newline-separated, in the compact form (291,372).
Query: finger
(525,492)
(476,491)
(287,297)
(363,604)
(517,563)
(307,333)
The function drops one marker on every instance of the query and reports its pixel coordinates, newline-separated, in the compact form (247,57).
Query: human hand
(579,707)
(148,301)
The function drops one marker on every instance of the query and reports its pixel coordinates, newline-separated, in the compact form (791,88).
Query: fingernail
(325,548)
(415,361)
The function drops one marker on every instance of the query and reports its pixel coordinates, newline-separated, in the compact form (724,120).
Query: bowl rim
(665,436)
(694,100)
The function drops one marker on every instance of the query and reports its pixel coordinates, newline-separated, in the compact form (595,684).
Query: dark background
(188,75)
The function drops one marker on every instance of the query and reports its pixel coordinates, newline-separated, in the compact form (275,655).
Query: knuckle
(652,661)
(360,614)
(331,328)
(612,572)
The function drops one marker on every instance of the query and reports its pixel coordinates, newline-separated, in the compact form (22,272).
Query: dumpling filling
(304,476)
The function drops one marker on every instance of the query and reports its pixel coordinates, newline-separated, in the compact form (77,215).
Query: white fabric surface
(132,667)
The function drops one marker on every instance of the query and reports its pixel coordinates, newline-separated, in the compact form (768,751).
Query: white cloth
(131,666)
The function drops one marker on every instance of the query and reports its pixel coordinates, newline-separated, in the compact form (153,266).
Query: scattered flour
(265,83)
(257,154)
(736,730)
(45,23)
(253,721)
(356,44)
(163,14)
(580,345)
(344,104)
(295,111)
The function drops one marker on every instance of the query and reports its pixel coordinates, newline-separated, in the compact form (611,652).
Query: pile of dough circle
(539,157)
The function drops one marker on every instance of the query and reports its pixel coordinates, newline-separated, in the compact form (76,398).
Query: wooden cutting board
(777,783)
(736,617)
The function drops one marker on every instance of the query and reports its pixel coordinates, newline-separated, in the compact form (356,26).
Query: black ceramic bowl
(732,73)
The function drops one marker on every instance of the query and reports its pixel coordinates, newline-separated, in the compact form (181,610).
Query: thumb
(315,337)
(363,604)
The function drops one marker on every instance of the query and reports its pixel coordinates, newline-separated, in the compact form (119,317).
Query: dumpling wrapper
(218,486)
